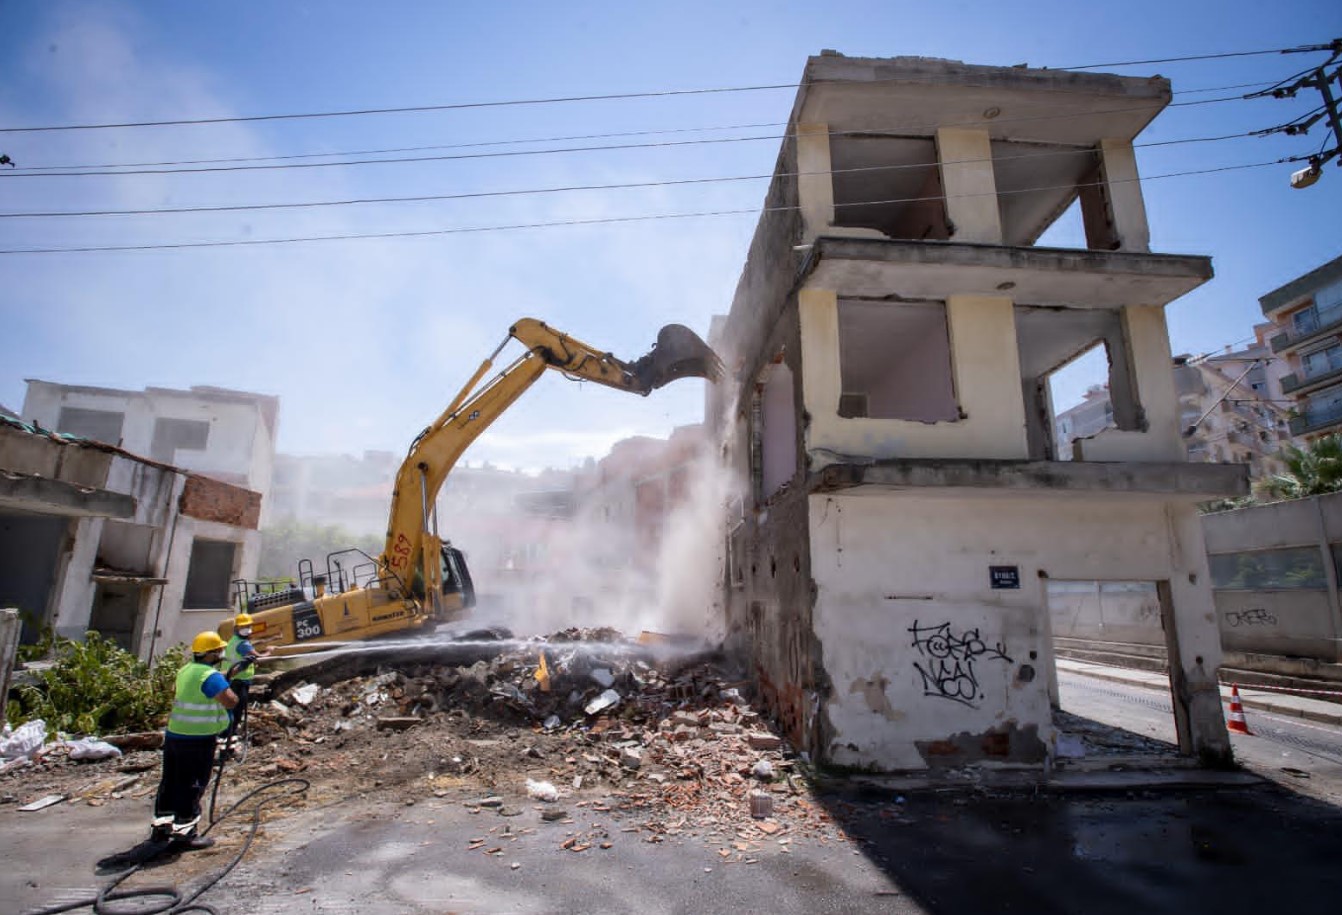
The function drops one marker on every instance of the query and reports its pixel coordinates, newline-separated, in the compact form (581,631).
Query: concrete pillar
(10,629)
(815,185)
(1112,208)
(1147,365)
(73,599)
(822,380)
(965,159)
(985,360)
(1193,641)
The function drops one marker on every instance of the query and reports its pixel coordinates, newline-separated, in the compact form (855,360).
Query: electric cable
(13,174)
(606,220)
(173,901)
(612,96)
(514,142)
(468,195)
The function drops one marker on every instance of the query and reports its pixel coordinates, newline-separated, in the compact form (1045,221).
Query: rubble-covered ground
(662,738)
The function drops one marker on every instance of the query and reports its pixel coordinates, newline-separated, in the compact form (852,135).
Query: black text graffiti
(947,661)
(1256,617)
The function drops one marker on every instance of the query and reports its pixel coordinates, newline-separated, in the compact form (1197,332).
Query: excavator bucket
(678,353)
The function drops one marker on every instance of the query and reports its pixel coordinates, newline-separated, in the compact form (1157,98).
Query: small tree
(1310,471)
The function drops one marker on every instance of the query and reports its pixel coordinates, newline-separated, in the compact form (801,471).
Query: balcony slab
(1057,277)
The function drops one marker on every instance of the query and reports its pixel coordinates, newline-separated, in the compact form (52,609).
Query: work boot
(192,842)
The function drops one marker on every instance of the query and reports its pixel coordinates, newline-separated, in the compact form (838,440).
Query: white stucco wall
(175,624)
(883,561)
(986,370)
(238,441)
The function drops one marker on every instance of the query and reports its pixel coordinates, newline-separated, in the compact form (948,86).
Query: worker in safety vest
(239,663)
(199,715)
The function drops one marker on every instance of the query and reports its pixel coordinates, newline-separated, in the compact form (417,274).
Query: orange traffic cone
(1236,721)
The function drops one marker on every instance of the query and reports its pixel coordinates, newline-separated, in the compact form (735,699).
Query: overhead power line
(608,220)
(16,175)
(484,143)
(612,96)
(675,182)
(1300,49)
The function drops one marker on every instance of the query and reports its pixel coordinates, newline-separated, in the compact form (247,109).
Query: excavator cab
(456,577)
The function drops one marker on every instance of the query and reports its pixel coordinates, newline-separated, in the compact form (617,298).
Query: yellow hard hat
(206,642)
(241,620)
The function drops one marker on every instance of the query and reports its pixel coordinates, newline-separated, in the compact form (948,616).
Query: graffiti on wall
(947,661)
(1255,617)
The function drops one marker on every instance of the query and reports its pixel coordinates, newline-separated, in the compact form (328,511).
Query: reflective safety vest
(193,713)
(231,657)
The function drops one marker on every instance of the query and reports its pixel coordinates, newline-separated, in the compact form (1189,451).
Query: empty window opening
(778,428)
(1075,377)
(895,362)
(208,575)
(99,425)
(890,184)
(1037,188)
(1066,231)
(172,435)
(1083,396)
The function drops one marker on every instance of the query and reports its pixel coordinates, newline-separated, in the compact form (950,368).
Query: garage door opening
(1111,689)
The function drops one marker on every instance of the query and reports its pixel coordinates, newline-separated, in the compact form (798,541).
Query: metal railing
(1307,324)
(1317,418)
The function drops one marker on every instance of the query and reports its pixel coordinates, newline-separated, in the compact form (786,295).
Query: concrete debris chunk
(603,676)
(608,699)
(763,740)
(303,695)
(43,803)
(398,724)
(542,791)
(631,758)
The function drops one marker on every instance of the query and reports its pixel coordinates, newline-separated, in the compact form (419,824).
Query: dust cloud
(643,550)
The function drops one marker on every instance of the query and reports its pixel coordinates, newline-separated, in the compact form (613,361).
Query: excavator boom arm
(679,353)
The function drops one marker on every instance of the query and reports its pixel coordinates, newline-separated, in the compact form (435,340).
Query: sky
(365,341)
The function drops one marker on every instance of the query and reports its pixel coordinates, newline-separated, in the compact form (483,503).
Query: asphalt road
(1227,850)
(1304,755)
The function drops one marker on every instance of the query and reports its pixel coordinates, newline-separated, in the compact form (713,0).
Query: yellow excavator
(419,580)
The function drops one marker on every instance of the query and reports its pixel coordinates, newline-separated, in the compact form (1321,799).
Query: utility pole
(1321,79)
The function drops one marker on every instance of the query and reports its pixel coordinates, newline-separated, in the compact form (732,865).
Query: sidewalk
(1262,700)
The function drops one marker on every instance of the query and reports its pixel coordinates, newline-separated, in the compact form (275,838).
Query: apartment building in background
(215,432)
(1307,313)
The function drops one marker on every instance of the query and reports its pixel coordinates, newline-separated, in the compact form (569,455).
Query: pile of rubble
(656,734)
(647,729)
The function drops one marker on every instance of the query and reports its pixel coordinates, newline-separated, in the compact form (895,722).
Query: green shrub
(97,687)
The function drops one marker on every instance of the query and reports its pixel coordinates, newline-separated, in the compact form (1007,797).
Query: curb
(1262,705)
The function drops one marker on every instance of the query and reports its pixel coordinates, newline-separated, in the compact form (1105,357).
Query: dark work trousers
(187,764)
(240,689)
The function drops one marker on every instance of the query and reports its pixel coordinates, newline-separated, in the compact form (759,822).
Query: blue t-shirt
(214,685)
(245,648)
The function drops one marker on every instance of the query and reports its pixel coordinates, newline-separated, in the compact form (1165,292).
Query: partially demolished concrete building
(892,338)
(95,538)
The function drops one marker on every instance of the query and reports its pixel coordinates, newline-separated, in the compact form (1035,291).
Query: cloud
(365,342)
